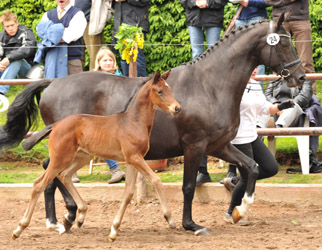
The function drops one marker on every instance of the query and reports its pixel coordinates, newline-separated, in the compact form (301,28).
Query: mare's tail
(21,115)
(37,137)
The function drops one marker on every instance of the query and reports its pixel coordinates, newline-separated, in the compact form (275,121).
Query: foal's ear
(280,21)
(156,77)
(166,74)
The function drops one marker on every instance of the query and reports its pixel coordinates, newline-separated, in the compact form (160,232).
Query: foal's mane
(135,91)
(226,40)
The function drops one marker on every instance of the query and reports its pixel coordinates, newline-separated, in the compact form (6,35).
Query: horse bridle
(285,72)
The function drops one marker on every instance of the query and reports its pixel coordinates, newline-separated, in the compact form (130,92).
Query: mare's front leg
(192,159)
(130,180)
(233,155)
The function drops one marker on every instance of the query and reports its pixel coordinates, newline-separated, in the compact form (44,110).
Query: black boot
(315,164)
(202,178)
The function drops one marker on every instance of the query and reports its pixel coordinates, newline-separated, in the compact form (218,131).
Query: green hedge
(167,43)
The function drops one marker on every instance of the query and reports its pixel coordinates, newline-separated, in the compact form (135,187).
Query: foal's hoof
(13,236)
(203,232)
(111,239)
(236,215)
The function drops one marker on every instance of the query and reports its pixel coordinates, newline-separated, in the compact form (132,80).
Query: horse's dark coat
(209,90)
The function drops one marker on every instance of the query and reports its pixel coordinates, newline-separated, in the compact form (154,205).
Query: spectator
(203,15)
(91,41)
(105,61)
(306,104)
(74,22)
(247,141)
(297,22)
(132,12)
(17,49)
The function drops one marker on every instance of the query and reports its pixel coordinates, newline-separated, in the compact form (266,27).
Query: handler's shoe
(229,219)
(202,178)
(117,175)
(75,178)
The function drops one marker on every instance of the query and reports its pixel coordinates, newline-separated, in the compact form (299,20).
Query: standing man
(17,49)
(132,12)
(297,22)
(203,16)
(93,42)
(75,23)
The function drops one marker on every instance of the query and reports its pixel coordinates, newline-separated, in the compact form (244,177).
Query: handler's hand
(286,104)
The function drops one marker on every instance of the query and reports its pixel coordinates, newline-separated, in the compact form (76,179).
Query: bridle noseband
(285,72)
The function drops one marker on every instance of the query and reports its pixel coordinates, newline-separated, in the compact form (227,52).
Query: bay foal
(122,137)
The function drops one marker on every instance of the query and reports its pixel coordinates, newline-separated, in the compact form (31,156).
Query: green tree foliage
(167,43)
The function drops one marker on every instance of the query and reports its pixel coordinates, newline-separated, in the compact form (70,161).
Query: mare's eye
(160,92)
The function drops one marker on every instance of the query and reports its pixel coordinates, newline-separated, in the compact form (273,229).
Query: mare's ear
(156,77)
(280,21)
(166,74)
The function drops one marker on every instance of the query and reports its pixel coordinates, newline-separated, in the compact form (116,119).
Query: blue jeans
(238,23)
(141,67)
(16,69)
(197,38)
(112,164)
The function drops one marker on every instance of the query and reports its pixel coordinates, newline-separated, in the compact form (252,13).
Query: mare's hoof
(236,215)
(203,232)
(67,224)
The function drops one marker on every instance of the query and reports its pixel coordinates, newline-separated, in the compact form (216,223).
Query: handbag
(101,13)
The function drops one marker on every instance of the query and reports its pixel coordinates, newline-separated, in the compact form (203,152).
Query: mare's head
(280,55)
(161,94)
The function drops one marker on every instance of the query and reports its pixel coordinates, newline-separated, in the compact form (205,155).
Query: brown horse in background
(74,141)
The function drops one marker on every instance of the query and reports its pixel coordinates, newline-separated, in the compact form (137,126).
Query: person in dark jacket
(304,106)
(132,12)
(297,22)
(203,16)
(17,49)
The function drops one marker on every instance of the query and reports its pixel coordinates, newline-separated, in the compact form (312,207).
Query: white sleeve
(77,26)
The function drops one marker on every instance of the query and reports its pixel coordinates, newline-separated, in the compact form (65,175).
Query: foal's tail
(21,115)
(37,137)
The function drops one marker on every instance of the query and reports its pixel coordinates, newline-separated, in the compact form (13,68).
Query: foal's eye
(160,92)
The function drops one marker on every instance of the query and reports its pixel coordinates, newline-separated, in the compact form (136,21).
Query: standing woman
(252,105)
(105,61)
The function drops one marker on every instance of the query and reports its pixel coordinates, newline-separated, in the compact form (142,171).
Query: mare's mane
(224,40)
(135,91)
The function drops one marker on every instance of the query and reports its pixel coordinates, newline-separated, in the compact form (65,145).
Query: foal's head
(161,94)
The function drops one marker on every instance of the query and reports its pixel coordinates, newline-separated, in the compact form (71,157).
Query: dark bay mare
(209,90)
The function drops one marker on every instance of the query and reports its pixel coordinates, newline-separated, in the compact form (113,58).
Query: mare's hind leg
(49,193)
(39,186)
(234,156)
(130,180)
(140,164)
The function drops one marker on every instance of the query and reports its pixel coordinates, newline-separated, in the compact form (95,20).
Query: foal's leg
(66,177)
(39,186)
(139,163)
(130,180)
